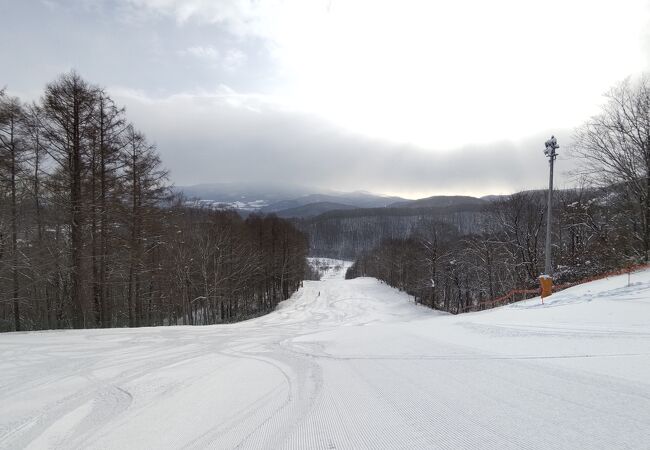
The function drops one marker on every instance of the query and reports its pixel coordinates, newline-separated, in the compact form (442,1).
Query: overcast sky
(396,96)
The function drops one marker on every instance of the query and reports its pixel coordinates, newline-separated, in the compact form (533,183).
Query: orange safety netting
(511,296)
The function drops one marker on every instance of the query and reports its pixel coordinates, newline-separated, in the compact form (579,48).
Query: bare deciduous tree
(615,148)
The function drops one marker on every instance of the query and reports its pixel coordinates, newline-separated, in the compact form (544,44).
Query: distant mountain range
(312,210)
(240,196)
(332,200)
(290,201)
(345,224)
(440,201)
(283,200)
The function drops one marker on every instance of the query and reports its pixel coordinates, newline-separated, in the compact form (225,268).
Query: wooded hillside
(91,237)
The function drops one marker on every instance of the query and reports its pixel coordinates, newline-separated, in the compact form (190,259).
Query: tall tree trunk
(103,245)
(97,307)
(131,296)
(646,206)
(106,313)
(14,231)
(76,225)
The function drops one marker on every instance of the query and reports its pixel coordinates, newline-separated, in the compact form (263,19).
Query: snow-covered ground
(330,268)
(346,364)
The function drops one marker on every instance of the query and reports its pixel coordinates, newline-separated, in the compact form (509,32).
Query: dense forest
(90,235)
(346,234)
(602,226)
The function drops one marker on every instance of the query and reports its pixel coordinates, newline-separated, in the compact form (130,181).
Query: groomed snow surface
(346,364)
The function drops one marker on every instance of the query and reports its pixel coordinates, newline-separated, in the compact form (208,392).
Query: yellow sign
(546,286)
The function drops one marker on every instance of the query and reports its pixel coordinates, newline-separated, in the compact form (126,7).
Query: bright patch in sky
(443,74)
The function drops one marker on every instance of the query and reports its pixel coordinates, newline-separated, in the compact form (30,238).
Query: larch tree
(69,105)
(12,153)
(109,141)
(145,187)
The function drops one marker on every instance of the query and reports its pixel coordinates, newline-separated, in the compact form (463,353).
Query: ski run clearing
(346,364)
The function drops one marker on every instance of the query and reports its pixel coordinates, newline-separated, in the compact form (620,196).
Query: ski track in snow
(345,364)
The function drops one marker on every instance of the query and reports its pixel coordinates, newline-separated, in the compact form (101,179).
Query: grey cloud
(95,37)
(221,135)
(206,139)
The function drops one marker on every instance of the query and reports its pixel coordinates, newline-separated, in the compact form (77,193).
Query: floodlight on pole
(550,152)
(546,280)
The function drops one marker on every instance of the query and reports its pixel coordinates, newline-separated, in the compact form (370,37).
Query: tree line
(92,236)
(603,225)
(347,233)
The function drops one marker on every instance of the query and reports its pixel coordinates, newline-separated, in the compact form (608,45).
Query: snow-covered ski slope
(346,364)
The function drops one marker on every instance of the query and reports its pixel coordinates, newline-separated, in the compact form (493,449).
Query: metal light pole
(551,146)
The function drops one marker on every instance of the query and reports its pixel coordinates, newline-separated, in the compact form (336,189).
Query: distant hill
(440,201)
(277,197)
(312,210)
(493,198)
(262,193)
(347,233)
(353,199)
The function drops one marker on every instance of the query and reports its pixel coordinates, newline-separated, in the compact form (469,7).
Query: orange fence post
(546,286)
